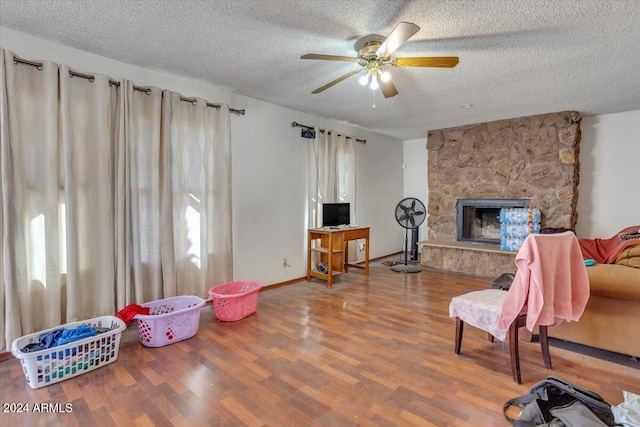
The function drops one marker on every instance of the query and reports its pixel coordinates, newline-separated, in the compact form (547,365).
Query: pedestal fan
(410,213)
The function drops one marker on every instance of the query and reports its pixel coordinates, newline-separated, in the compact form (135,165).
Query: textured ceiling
(517,57)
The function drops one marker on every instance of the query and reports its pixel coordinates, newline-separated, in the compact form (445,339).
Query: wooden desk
(334,250)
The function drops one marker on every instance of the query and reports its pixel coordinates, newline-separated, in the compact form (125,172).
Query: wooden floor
(376,352)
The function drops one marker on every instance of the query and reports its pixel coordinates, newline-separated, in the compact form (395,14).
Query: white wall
(269,166)
(609,189)
(416,185)
(379,189)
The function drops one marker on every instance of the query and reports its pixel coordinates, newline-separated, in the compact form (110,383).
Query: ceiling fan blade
(336,81)
(426,61)
(398,36)
(388,89)
(329,57)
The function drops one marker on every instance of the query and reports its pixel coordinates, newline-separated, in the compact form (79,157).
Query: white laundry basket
(55,364)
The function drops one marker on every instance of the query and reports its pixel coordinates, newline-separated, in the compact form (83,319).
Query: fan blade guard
(410,213)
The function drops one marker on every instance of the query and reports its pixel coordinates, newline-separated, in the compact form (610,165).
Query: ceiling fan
(376,54)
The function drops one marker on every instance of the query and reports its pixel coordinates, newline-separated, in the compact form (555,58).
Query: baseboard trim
(281,284)
(384,257)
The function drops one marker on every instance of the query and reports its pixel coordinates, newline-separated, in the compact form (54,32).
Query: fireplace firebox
(478,220)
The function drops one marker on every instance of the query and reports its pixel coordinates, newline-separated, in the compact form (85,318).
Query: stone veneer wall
(532,158)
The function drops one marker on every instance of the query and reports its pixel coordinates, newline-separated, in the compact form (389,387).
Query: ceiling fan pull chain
(373,93)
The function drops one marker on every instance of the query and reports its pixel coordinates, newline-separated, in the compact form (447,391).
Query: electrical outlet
(284,263)
(362,245)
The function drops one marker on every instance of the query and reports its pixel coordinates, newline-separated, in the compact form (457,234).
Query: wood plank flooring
(369,352)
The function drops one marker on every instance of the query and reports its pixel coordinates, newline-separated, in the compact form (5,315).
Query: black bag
(503,282)
(554,399)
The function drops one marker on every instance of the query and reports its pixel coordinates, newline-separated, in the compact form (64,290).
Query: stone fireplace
(529,158)
(478,220)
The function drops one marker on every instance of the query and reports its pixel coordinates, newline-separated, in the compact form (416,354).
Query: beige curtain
(88,133)
(180,195)
(332,174)
(196,205)
(110,196)
(332,177)
(57,169)
(145,161)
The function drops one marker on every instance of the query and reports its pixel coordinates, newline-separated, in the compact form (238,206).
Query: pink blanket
(605,251)
(551,283)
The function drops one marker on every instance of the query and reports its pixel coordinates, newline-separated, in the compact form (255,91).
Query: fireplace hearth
(478,220)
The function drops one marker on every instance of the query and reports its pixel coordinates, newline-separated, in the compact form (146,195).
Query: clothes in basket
(62,336)
(46,366)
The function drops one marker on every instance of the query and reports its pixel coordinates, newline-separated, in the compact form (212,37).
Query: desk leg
(330,261)
(346,256)
(308,257)
(366,257)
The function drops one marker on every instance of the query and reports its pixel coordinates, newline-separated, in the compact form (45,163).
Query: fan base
(406,269)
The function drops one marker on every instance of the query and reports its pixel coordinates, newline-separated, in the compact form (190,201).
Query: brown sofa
(611,319)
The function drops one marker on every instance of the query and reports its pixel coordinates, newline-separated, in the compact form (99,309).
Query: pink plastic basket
(169,320)
(235,300)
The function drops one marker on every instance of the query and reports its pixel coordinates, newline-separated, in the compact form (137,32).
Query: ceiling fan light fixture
(374,53)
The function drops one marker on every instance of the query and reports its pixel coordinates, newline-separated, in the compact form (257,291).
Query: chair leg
(514,352)
(459,328)
(544,344)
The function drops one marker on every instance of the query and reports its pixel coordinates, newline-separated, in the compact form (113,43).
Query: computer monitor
(335,214)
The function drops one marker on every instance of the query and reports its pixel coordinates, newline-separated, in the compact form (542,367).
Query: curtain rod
(192,100)
(296,124)
(112,82)
(72,73)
